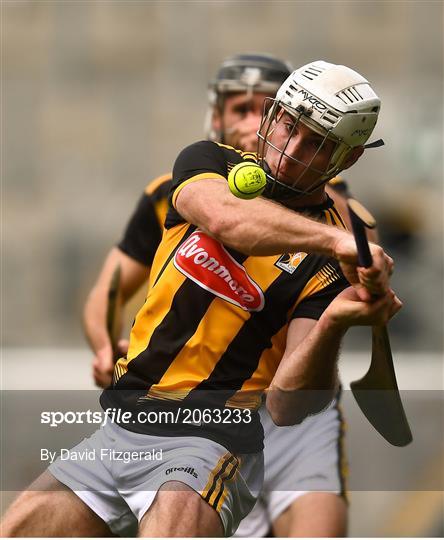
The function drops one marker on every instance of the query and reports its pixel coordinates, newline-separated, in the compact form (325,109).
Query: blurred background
(99,97)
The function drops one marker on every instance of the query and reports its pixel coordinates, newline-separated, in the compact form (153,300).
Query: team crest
(290,261)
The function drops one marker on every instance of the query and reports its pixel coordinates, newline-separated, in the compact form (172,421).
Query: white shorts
(298,459)
(117,473)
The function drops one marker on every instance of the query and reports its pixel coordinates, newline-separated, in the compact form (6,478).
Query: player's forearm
(266,230)
(254,227)
(133,275)
(306,379)
(94,319)
(95,309)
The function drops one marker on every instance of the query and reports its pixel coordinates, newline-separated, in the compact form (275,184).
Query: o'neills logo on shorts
(204,260)
(189,470)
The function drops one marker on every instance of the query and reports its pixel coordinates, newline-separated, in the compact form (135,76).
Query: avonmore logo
(206,262)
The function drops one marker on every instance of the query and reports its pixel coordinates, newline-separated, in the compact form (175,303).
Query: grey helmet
(243,73)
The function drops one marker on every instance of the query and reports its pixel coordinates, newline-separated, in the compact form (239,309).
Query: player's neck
(314,199)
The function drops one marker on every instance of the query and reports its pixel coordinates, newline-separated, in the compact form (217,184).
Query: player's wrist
(332,323)
(342,245)
(104,350)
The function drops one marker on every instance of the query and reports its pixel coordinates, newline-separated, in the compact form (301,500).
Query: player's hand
(368,282)
(243,134)
(103,363)
(348,309)
(376,279)
(103,366)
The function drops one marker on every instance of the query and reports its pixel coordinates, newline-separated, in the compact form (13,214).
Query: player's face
(240,119)
(297,155)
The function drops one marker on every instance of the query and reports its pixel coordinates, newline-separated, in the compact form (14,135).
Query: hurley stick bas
(377,392)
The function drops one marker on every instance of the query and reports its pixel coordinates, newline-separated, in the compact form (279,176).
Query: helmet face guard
(279,189)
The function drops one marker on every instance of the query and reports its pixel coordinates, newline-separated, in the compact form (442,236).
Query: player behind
(223,321)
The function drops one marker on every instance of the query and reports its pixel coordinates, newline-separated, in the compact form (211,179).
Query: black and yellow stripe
(196,178)
(336,218)
(157,191)
(154,188)
(172,239)
(216,488)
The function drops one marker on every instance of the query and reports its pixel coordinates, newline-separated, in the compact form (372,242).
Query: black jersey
(145,227)
(215,321)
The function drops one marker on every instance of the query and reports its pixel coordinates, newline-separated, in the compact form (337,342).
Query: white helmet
(332,100)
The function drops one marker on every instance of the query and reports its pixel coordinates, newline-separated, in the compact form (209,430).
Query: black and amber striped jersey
(213,328)
(145,227)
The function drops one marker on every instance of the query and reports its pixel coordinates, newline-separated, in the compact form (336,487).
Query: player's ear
(216,120)
(353,156)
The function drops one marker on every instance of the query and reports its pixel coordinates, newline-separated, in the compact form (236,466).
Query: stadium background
(98,98)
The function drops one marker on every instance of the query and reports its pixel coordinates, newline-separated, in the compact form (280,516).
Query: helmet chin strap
(278,191)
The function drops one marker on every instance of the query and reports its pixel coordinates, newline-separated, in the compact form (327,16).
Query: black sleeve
(143,233)
(199,158)
(314,305)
